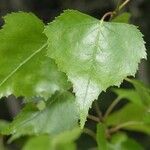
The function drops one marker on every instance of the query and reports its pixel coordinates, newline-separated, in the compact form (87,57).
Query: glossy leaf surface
(94,54)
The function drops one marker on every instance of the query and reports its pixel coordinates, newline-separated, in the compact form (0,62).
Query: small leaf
(94,54)
(41,105)
(143,91)
(25,70)
(120,141)
(122,18)
(131,144)
(130,117)
(59,115)
(129,94)
(118,138)
(101,137)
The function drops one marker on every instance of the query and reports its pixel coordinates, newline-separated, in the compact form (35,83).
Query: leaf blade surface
(93,54)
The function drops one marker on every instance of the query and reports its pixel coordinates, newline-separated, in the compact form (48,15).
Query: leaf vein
(21,64)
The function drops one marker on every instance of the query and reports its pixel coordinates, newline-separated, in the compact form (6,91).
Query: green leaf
(42,142)
(143,91)
(147,117)
(67,136)
(117,139)
(122,18)
(45,143)
(64,141)
(59,115)
(131,144)
(25,70)
(130,117)
(120,141)
(94,54)
(101,137)
(129,94)
(66,146)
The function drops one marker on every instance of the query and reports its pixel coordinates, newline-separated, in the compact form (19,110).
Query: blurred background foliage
(47,10)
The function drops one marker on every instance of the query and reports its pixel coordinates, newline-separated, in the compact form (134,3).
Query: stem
(118,5)
(118,127)
(123,4)
(90,133)
(96,119)
(110,13)
(127,79)
(111,107)
(1,143)
(98,111)
(13,105)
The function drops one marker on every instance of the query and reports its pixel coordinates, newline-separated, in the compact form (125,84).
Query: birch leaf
(94,54)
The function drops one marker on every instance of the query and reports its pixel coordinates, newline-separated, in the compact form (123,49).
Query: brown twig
(98,111)
(111,107)
(120,126)
(123,4)
(94,118)
(110,13)
(90,133)
(127,79)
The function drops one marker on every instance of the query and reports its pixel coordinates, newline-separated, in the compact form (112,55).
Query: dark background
(47,10)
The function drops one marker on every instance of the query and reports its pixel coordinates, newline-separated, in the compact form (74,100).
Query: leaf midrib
(93,61)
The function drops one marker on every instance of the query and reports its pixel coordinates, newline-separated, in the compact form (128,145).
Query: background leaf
(25,70)
(143,91)
(122,18)
(132,116)
(59,115)
(129,94)
(120,141)
(64,141)
(39,143)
